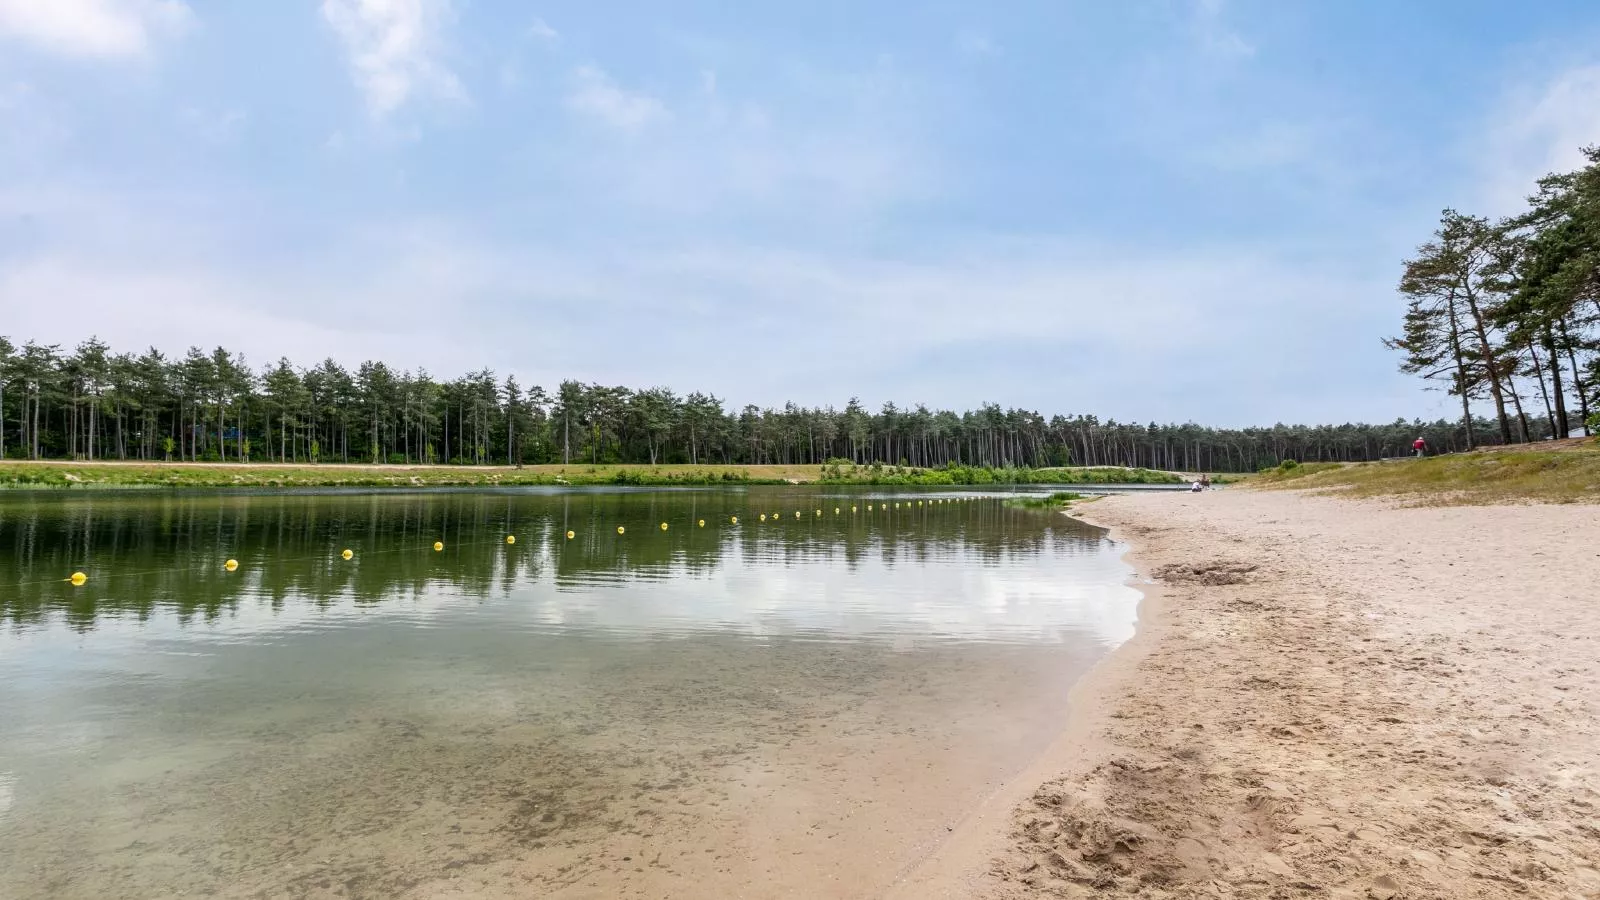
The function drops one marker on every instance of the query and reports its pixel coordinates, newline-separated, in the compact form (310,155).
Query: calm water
(798,707)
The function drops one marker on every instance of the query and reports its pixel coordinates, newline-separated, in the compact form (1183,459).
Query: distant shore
(1326,698)
(114,474)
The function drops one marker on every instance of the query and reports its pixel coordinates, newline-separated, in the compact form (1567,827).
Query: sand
(1327,698)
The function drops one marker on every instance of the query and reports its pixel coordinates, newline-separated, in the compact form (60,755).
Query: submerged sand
(1327,698)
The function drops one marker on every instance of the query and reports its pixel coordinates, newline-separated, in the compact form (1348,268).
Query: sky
(1152,210)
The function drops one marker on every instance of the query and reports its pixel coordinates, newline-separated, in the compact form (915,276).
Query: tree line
(92,403)
(1509,310)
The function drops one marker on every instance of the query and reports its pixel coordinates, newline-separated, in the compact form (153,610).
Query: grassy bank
(848,473)
(1058,500)
(1565,473)
(196,475)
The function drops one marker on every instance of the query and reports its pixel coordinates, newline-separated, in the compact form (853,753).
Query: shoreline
(126,474)
(961,866)
(1324,698)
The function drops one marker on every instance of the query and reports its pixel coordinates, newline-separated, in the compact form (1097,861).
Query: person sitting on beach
(1196,488)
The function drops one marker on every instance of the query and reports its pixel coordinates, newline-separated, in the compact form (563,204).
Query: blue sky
(1154,209)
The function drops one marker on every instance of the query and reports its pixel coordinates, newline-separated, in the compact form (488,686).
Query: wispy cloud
(93,28)
(818,152)
(594,94)
(394,48)
(540,30)
(1184,311)
(1216,37)
(214,127)
(1537,129)
(975,43)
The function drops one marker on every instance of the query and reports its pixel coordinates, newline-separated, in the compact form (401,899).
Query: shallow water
(798,707)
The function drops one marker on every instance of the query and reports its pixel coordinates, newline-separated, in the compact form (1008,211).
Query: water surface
(802,706)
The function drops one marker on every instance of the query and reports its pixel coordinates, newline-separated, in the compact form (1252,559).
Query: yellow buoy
(348,554)
(78,578)
(511,539)
(702,523)
(763,517)
(852,509)
(797,514)
(621,530)
(663,526)
(571,535)
(819,512)
(836,510)
(733,520)
(437,546)
(231,564)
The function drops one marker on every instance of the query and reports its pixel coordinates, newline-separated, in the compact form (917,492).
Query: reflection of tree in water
(150,552)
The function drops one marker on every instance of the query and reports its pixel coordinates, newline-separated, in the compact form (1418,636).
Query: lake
(803,706)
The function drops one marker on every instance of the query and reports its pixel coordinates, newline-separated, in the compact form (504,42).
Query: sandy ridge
(1331,699)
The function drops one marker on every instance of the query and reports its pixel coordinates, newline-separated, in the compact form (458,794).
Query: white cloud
(1053,325)
(1537,130)
(93,28)
(595,95)
(824,148)
(542,31)
(214,127)
(975,43)
(1214,35)
(394,48)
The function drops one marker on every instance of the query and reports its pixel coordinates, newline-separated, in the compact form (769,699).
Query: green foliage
(112,475)
(980,475)
(1289,469)
(1493,306)
(94,404)
(1566,474)
(1057,500)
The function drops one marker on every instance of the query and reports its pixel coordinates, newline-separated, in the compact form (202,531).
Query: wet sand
(704,767)
(1327,698)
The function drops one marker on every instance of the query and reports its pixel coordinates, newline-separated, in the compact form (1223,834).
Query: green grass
(1568,473)
(15,474)
(1058,500)
(187,475)
(847,473)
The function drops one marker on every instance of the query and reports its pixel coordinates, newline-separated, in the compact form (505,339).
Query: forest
(92,403)
(1509,311)
(1505,311)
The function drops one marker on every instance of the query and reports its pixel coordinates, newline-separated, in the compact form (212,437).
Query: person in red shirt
(1420,446)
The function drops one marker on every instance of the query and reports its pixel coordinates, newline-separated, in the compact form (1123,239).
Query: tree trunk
(1544,392)
(1560,426)
(1461,370)
(1577,379)
(1490,366)
(1522,417)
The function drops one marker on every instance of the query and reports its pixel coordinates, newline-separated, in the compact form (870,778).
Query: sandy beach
(1326,698)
